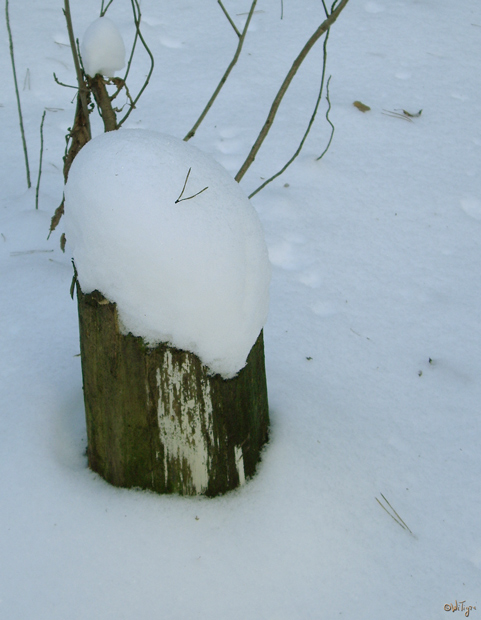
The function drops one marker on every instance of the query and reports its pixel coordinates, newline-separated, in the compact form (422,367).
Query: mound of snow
(102,48)
(190,271)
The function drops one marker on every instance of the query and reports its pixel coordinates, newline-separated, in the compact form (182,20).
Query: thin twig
(40,159)
(397,115)
(311,122)
(62,84)
(132,51)
(20,116)
(223,80)
(137,19)
(180,199)
(398,520)
(229,18)
(326,24)
(402,521)
(185,183)
(282,9)
(102,10)
(328,120)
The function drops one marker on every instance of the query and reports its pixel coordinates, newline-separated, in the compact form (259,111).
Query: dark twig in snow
(180,199)
(20,116)
(40,159)
(396,518)
(74,280)
(326,24)
(404,117)
(223,80)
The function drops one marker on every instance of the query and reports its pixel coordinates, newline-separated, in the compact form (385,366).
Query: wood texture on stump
(157,420)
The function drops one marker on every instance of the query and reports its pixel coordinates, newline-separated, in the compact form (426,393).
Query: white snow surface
(373,342)
(191,270)
(102,48)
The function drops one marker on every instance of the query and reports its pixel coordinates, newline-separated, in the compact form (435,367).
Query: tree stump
(156,418)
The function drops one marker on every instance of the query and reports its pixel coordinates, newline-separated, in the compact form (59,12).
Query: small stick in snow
(180,199)
(398,520)
(404,114)
(40,160)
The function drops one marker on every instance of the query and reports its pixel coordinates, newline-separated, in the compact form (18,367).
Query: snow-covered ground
(373,344)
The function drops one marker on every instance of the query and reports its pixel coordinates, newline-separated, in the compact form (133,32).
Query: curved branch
(223,80)
(328,120)
(135,8)
(326,24)
(311,122)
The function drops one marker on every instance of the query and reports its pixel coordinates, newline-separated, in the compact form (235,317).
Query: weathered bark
(157,420)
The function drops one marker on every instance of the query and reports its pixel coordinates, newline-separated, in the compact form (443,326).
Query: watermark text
(461,606)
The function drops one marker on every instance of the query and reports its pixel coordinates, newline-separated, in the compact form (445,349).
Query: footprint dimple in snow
(373,7)
(229,132)
(459,96)
(284,255)
(403,75)
(295,237)
(472,206)
(229,146)
(169,42)
(311,279)
(324,308)
(151,21)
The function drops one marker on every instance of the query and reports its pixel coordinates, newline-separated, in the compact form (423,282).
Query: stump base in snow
(156,418)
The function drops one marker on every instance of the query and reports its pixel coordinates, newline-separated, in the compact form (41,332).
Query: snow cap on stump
(184,266)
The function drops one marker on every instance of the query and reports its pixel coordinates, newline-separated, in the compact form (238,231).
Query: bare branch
(326,24)
(82,90)
(20,116)
(137,19)
(229,18)
(132,51)
(97,86)
(40,160)
(328,120)
(311,122)
(102,10)
(223,80)
(62,84)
